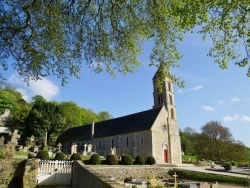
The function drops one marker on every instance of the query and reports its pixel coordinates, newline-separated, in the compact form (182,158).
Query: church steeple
(165,96)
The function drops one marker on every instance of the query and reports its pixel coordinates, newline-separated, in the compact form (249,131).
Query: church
(153,132)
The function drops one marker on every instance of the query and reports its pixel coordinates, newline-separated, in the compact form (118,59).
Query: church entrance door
(165,156)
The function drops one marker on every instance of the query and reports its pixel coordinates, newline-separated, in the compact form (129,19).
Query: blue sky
(210,93)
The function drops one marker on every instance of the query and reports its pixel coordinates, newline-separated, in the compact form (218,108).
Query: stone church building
(154,132)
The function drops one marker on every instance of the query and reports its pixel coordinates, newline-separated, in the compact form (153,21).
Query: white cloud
(231,118)
(221,102)
(43,87)
(235,99)
(199,87)
(245,118)
(180,91)
(208,108)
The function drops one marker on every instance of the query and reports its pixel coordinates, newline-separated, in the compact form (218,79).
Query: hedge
(186,174)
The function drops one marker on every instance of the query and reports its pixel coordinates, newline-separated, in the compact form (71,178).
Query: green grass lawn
(185,158)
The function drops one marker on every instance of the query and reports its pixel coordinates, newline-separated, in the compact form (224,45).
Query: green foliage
(117,34)
(60,156)
(150,160)
(72,114)
(111,159)
(76,156)
(185,158)
(201,176)
(126,160)
(105,115)
(95,159)
(8,101)
(43,155)
(44,117)
(139,160)
(227,166)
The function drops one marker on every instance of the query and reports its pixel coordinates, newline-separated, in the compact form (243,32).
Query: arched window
(172,113)
(142,141)
(171,99)
(127,141)
(159,100)
(169,86)
(100,144)
(112,143)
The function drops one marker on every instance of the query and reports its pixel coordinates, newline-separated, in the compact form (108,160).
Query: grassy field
(189,158)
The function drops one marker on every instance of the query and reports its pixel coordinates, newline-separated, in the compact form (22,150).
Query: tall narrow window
(112,143)
(142,141)
(172,113)
(127,141)
(159,100)
(171,99)
(99,144)
(169,86)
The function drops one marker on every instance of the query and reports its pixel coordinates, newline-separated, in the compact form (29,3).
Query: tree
(8,101)
(44,120)
(72,114)
(213,139)
(105,115)
(45,38)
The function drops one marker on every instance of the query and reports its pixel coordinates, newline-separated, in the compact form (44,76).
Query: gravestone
(85,151)
(89,148)
(113,151)
(8,151)
(73,148)
(14,136)
(36,149)
(25,149)
(1,141)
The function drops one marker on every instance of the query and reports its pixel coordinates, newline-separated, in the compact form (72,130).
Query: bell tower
(165,96)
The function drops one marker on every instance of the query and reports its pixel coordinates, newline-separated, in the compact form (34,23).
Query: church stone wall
(175,143)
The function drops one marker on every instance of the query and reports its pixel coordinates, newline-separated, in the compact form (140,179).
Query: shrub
(151,160)
(45,148)
(94,159)
(202,176)
(43,155)
(139,160)
(227,166)
(111,160)
(126,160)
(75,156)
(60,156)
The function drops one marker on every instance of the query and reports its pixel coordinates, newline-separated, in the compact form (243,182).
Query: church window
(169,86)
(171,99)
(99,144)
(159,100)
(172,113)
(142,141)
(127,141)
(113,142)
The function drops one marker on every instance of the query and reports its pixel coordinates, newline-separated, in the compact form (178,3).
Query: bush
(139,160)
(151,160)
(126,160)
(45,148)
(75,156)
(60,156)
(43,155)
(111,160)
(94,159)
(227,166)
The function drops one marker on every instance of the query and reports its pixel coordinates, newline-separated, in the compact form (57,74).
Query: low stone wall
(18,174)
(100,176)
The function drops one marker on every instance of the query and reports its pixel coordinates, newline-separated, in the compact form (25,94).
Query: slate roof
(127,124)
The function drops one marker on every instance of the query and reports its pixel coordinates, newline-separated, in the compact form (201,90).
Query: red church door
(165,156)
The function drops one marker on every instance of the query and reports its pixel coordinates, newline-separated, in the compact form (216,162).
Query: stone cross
(1,141)
(14,136)
(175,179)
(59,147)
